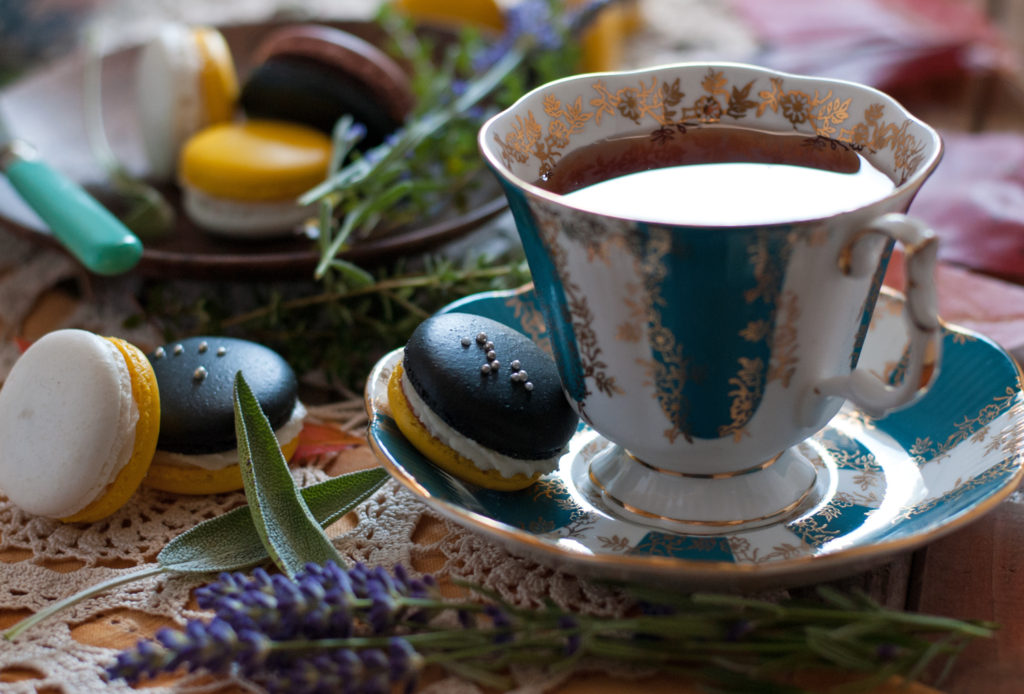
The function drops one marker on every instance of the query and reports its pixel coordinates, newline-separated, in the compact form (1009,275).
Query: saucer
(893,484)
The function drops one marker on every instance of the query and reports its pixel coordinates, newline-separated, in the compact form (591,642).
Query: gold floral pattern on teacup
(786,344)
(664,105)
(668,366)
(549,226)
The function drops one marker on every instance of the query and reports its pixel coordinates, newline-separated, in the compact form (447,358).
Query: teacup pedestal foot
(784,486)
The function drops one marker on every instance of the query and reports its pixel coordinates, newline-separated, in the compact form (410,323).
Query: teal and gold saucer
(891,484)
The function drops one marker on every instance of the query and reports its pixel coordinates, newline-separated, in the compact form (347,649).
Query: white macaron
(79,421)
(185,80)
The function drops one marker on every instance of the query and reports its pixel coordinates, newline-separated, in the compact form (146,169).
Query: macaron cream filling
(250,218)
(123,443)
(483,457)
(223,459)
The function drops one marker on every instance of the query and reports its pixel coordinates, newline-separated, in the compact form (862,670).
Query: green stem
(484,677)
(351,219)
(407,305)
(414,282)
(382,157)
(438,639)
(89,592)
(650,652)
(946,644)
(366,214)
(831,615)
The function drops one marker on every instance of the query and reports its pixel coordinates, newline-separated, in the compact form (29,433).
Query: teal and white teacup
(706,352)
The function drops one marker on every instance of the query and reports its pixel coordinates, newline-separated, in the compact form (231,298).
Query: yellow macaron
(485,14)
(243,179)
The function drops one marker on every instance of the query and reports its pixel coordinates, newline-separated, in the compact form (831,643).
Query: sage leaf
(283,521)
(231,542)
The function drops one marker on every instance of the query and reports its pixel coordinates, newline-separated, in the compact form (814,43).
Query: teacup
(706,346)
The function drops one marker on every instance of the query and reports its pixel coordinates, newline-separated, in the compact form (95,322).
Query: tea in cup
(707,243)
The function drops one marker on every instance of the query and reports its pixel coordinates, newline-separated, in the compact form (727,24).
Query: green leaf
(231,542)
(283,521)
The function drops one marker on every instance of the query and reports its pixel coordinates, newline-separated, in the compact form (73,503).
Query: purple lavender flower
(887,652)
(320,601)
(148,659)
(268,626)
(739,629)
(532,18)
(213,646)
(355,132)
(573,641)
(367,671)
(537,20)
(501,622)
(655,609)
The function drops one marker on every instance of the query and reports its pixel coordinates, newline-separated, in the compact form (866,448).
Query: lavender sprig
(433,157)
(367,630)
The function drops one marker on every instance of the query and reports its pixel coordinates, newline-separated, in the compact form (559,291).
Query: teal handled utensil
(87,229)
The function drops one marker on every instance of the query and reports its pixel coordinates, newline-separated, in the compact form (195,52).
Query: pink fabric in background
(876,42)
(975,202)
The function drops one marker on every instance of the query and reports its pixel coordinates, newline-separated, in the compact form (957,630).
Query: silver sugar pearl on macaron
(221,351)
(528,385)
(495,365)
(159,353)
(491,355)
(485,369)
(489,346)
(178,349)
(516,365)
(466,342)
(199,374)
(481,338)
(203,346)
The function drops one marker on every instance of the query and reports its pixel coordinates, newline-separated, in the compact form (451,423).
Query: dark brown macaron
(315,74)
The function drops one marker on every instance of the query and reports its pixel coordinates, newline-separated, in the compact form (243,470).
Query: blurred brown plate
(45,109)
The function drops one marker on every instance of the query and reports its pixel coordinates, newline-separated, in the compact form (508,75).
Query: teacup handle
(864,389)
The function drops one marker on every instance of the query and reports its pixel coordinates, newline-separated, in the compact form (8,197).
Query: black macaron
(196,377)
(299,90)
(315,74)
(491,384)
